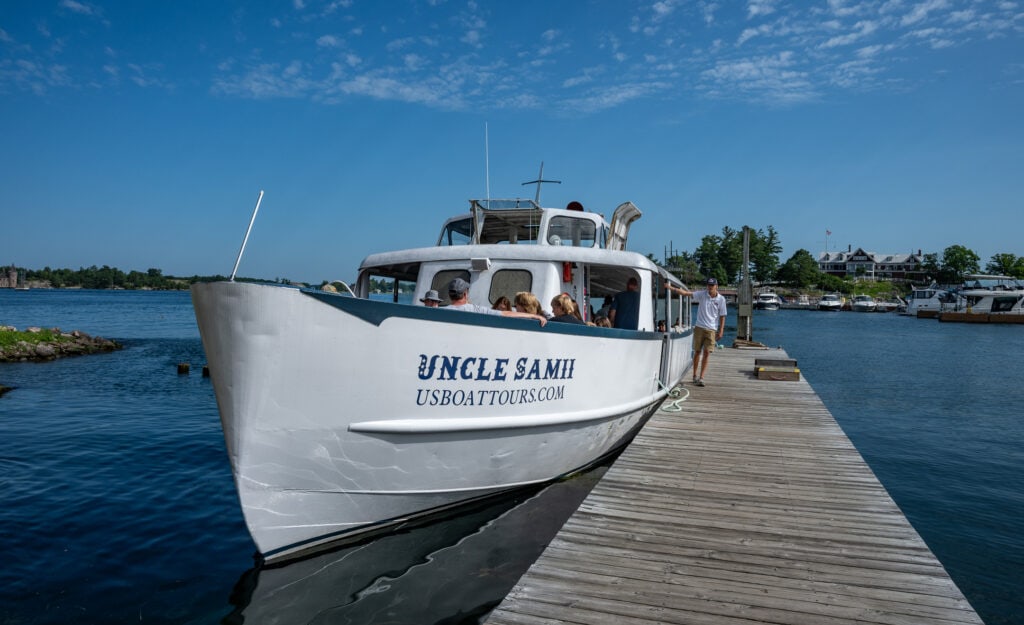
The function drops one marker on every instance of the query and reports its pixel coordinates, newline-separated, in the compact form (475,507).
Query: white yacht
(992,294)
(863,303)
(831,302)
(929,301)
(768,300)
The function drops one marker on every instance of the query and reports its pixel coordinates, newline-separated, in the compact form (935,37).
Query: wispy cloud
(612,96)
(452,53)
(328,41)
(776,78)
(78,7)
(860,30)
(922,10)
(758,8)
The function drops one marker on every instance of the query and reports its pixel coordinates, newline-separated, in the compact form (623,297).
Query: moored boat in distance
(930,300)
(863,303)
(993,294)
(345,415)
(767,300)
(830,302)
(896,304)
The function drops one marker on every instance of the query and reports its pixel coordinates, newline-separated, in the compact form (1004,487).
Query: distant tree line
(721,257)
(106,277)
(718,256)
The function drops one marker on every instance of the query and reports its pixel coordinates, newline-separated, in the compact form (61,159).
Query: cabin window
(457,233)
(442,279)
(508,282)
(1003,303)
(383,288)
(573,231)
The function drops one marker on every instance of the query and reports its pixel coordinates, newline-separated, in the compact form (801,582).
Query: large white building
(871,266)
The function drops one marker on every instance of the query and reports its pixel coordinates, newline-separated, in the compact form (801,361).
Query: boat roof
(589,255)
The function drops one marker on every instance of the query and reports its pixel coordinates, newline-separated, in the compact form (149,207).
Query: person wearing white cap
(711,313)
(431,299)
(458,293)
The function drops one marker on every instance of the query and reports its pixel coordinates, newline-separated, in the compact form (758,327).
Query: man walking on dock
(711,313)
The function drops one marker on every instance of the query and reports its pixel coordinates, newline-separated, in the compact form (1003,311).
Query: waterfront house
(860,263)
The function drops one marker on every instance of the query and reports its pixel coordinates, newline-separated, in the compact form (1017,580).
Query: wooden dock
(750,505)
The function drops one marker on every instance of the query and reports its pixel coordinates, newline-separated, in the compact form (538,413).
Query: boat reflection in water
(450,570)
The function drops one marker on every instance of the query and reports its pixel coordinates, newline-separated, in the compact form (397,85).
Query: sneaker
(700,382)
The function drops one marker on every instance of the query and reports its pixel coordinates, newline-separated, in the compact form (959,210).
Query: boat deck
(750,505)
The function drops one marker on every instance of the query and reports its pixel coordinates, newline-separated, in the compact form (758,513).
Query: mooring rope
(679,394)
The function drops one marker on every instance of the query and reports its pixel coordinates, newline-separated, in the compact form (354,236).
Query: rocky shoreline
(39,344)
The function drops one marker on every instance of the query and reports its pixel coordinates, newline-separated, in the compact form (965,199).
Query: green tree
(1006,265)
(800,271)
(957,260)
(765,248)
(930,266)
(685,266)
(707,257)
(828,282)
(730,255)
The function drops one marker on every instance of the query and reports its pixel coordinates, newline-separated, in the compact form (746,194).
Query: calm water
(118,504)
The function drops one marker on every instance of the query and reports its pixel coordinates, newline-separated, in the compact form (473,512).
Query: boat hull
(341,415)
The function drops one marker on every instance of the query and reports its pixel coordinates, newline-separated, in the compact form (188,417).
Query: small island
(40,344)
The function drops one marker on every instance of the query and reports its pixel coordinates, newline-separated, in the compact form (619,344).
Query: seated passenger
(528,303)
(458,293)
(573,308)
(431,299)
(602,321)
(561,308)
(502,303)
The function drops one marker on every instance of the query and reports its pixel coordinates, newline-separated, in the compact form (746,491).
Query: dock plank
(749,505)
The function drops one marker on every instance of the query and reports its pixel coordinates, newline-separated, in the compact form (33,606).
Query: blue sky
(138,134)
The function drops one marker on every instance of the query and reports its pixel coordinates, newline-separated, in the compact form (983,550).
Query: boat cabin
(502,247)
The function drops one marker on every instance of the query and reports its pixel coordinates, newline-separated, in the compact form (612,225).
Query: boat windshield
(1000,283)
(510,222)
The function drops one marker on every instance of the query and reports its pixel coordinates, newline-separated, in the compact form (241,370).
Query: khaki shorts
(704,339)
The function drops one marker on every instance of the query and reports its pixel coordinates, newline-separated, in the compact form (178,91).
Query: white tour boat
(344,415)
(769,300)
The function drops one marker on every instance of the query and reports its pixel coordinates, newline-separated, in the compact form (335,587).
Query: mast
(487,164)
(540,180)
